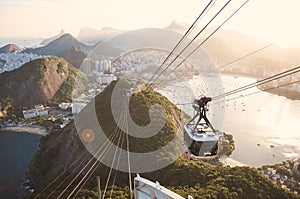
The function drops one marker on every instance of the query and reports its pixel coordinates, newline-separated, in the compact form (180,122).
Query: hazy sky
(266,19)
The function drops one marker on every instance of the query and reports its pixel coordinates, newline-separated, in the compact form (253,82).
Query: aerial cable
(88,174)
(263,81)
(128,157)
(207,38)
(112,136)
(118,163)
(240,90)
(187,33)
(61,174)
(93,167)
(96,164)
(245,56)
(113,161)
(262,90)
(74,170)
(195,37)
(67,177)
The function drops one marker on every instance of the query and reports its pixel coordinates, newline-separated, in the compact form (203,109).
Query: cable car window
(195,147)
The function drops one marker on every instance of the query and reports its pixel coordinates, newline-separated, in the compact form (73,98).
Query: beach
(33,129)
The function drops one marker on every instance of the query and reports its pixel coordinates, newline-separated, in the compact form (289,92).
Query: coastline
(289,94)
(226,160)
(284,92)
(33,129)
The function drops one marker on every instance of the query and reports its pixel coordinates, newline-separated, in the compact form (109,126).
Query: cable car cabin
(201,143)
(200,138)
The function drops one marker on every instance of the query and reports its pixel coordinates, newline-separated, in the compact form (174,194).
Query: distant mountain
(39,81)
(228,45)
(92,36)
(107,50)
(47,41)
(65,46)
(142,38)
(235,40)
(178,27)
(147,38)
(240,42)
(10,48)
(74,56)
(60,44)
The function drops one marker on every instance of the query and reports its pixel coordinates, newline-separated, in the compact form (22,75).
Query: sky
(269,20)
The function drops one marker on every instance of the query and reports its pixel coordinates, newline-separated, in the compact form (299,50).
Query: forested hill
(38,81)
(61,148)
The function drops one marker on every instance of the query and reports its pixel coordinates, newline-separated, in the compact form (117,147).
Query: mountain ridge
(37,82)
(93,36)
(48,40)
(65,46)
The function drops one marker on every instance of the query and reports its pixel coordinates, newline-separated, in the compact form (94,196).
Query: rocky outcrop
(10,48)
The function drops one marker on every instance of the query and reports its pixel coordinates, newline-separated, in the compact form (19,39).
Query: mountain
(227,45)
(238,42)
(93,36)
(64,42)
(39,81)
(65,46)
(10,48)
(74,55)
(178,27)
(107,50)
(47,41)
(61,149)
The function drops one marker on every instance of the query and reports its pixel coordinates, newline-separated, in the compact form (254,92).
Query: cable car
(200,137)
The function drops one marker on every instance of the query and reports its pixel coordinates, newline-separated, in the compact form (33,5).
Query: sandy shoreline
(231,162)
(28,129)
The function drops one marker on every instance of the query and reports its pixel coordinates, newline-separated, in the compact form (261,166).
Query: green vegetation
(227,148)
(60,66)
(65,91)
(203,180)
(39,81)
(197,178)
(139,106)
(46,164)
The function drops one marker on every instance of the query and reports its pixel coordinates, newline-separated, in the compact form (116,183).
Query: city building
(38,110)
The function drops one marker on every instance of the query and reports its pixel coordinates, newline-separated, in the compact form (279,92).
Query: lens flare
(88,135)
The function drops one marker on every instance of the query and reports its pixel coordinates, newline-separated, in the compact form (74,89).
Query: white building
(65,105)
(86,66)
(15,60)
(104,65)
(107,79)
(97,65)
(39,110)
(29,113)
